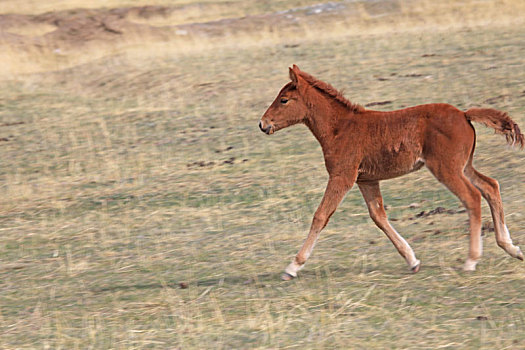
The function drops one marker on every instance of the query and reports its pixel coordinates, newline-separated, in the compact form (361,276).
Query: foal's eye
(284,100)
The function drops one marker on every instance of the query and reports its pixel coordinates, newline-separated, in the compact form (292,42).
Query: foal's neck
(322,121)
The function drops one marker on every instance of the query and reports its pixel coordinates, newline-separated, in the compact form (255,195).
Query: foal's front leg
(333,195)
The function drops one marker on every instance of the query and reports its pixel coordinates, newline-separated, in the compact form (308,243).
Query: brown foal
(364,146)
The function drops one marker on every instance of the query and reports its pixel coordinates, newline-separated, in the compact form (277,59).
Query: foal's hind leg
(489,188)
(457,183)
(374,202)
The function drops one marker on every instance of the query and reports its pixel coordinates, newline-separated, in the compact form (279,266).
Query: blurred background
(141,207)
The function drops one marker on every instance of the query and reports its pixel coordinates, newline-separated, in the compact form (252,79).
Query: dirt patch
(74,28)
(79,27)
(438,210)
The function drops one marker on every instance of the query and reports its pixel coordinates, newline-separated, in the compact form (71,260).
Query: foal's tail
(500,122)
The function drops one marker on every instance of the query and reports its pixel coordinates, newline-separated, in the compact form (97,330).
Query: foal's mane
(332,92)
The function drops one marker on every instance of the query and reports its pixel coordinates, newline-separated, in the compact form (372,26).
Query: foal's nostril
(265,130)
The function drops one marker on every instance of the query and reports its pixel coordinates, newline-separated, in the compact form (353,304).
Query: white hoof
(519,254)
(470,265)
(291,270)
(415,268)
(287,277)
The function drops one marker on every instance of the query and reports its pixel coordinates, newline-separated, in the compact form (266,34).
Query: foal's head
(288,108)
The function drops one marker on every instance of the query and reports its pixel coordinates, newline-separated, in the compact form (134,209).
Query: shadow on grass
(227,280)
(264,279)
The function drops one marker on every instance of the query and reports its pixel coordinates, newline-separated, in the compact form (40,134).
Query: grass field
(141,207)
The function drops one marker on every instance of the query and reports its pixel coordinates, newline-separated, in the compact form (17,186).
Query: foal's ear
(293,76)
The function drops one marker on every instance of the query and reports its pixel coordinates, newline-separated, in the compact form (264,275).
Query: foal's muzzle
(267,130)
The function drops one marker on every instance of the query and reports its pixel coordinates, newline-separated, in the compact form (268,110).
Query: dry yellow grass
(129,170)
(366,20)
(223,7)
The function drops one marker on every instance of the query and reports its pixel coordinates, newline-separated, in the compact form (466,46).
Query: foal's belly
(388,165)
